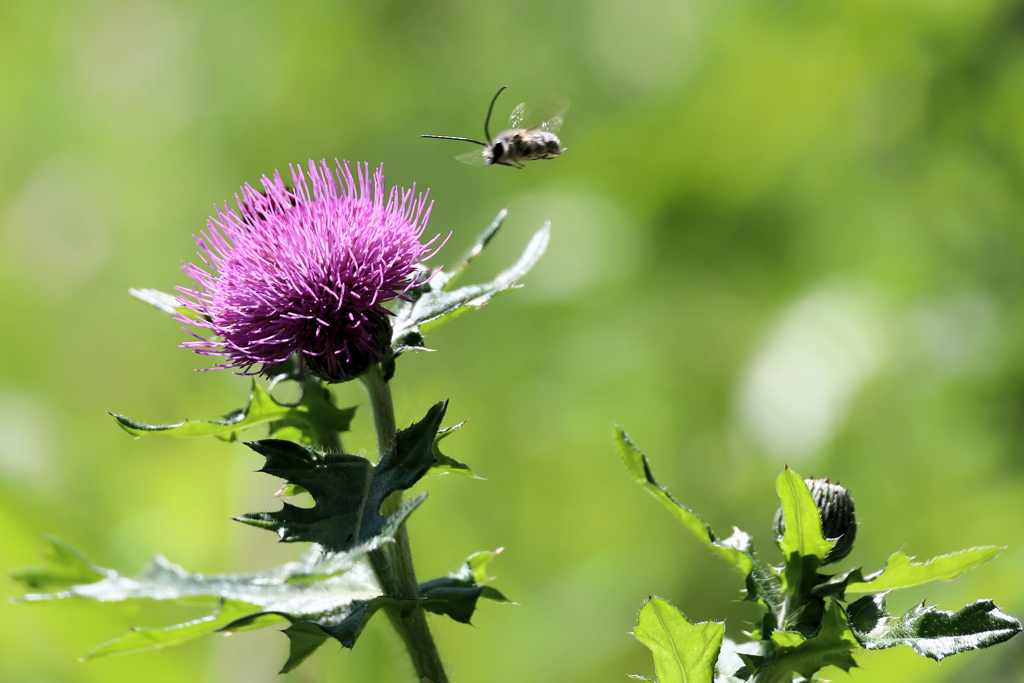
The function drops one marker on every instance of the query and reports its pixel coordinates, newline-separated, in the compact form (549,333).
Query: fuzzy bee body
(513,147)
(517,145)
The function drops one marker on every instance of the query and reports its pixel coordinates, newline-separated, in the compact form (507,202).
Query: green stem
(392,563)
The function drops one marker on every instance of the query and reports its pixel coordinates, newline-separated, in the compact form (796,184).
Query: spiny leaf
(457,594)
(803,521)
(141,639)
(432,304)
(900,571)
(683,652)
(312,417)
(477,564)
(322,588)
(733,549)
(444,464)
(305,420)
(793,653)
(762,584)
(347,490)
(835,586)
(448,277)
(303,640)
(929,631)
(868,614)
(64,567)
(638,465)
(163,580)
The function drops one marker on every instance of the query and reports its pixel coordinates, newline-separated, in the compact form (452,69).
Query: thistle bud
(838,521)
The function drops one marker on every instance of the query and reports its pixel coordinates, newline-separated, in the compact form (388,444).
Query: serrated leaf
(142,639)
(304,421)
(164,302)
(330,590)
(477,564)
(932,632)
(762,583)
(901,571)
(444,464)
(803,521)
(638,465)
(683,652)
(303,640)
(833,645)
(289,491)
(163,580)
(448,277)
(867,614)
(347,490)
(64,567)
(457,594)
(836,585)
(432,304)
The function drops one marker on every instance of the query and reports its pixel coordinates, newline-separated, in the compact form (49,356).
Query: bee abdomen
(544,144)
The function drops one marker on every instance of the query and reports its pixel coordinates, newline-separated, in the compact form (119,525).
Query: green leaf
(456,595)
(477,564)
(793,653)
(762,583)
(141,639)
(347,490)
(683,652)
(304,421)
(432,304)
(835,586)
(929,631)
(64,567)
(444,464)
(900,571)
(164,302)
(735,549)
(163,580)
(329,590)
(448,277)
(303,640)
(803,521)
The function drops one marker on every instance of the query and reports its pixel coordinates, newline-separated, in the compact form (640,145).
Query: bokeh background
(785,231)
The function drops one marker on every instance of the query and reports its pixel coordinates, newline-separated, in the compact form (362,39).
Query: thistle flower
(306,271)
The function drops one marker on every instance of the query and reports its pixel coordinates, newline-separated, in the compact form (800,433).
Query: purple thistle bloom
(306,271)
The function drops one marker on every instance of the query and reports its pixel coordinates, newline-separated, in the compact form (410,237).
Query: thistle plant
(295,284)
(809,620)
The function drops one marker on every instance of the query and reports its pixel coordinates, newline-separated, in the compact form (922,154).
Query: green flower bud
(838,521)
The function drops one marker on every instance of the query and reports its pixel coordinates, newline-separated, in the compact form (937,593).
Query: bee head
(497,150)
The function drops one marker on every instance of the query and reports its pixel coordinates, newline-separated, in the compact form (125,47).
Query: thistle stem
(392,562)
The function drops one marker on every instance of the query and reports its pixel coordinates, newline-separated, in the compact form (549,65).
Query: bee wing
(518,116)
(552,113)
(474,158)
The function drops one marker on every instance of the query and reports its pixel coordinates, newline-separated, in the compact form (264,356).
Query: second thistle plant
(808,619)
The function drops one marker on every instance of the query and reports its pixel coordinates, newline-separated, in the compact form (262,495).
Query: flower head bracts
(306,271)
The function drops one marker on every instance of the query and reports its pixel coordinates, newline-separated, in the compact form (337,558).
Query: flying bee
(516,145)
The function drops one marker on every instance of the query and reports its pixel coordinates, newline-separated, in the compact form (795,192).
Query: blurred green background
(785,231)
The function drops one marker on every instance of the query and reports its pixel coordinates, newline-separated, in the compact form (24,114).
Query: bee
(516,145)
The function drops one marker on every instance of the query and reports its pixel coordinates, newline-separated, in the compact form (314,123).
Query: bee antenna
(449,137)
(487,121)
